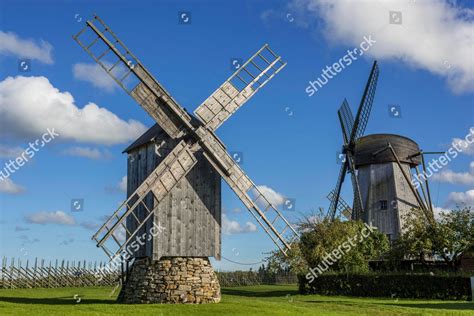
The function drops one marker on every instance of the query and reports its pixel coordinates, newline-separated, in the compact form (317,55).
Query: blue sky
(288,139)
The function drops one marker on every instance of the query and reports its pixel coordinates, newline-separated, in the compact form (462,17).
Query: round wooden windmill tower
(171,221)
(381,168)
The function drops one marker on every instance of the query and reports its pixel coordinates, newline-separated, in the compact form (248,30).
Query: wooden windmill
(188,141)
(380,166)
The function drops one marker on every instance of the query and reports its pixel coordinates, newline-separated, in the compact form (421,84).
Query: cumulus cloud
(230,227)
(30,105)
(274,197)
(10,152)
(122,185)
(461,198)
(9,187)
(94,74)
(456,177)
(90,225)
(466,146)
(11,44)
(58,217)
(87,152)
(426,39)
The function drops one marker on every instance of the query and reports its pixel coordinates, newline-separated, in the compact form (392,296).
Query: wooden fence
(37,274)
(247,278)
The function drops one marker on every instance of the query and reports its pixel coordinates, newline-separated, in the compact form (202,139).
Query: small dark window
(383,204)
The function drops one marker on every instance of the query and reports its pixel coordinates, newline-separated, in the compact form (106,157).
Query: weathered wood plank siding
(190,214)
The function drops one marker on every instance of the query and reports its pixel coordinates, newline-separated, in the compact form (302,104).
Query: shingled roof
(153,132)
(146,138)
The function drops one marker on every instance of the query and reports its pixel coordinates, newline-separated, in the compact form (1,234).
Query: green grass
(251,300)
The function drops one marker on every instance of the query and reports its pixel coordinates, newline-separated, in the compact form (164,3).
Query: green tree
(447,238)
(349,244)
(293,261)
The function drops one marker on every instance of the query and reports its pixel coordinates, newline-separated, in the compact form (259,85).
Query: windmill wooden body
(381,168)
(161,189)
(190,214)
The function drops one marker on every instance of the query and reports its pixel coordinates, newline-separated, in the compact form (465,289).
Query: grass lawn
(251,300)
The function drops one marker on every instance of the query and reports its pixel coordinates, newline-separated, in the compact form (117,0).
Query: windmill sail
(132,76)
(159,183)
(352,129)
(240,87)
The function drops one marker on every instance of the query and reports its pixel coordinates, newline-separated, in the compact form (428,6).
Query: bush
(444,287)
(345,244)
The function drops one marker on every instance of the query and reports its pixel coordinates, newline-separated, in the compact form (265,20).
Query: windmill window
(383,204)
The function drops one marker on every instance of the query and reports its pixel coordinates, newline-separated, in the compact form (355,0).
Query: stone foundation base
(174,280)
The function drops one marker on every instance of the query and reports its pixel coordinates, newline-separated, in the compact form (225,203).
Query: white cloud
(9,187)
(10,152)
(122,185)
(466,147)
(11,44)
(438,211)
(274,197)
(461,198)
(230,227)
(30,105)
(434,35)
(58,217)
(120,234)
(94,74)
(456,177)
(87,152)
(90,225)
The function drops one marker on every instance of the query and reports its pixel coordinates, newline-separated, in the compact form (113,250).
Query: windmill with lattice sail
(382,168)
(193,135)
(352,130)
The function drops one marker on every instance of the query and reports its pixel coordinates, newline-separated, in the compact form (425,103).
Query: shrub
(444,287)
(321,239)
